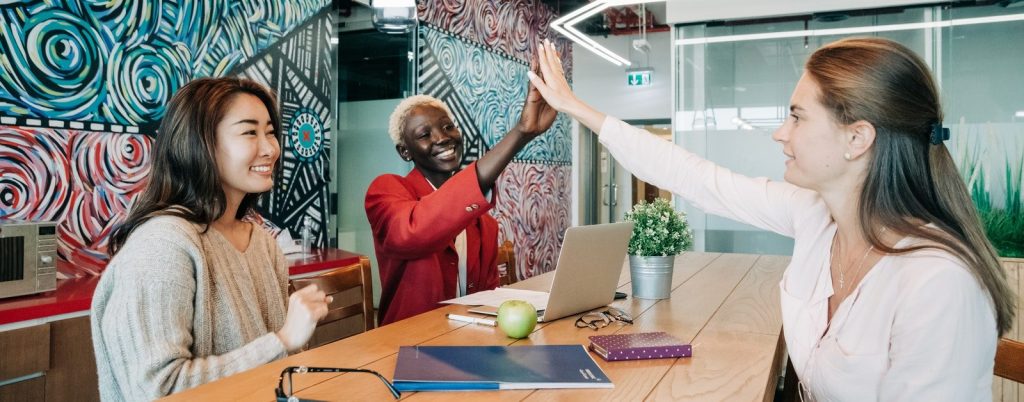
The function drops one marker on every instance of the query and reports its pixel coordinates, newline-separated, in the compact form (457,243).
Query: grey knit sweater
(176,309)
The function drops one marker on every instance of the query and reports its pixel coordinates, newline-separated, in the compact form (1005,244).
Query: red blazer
(414,230)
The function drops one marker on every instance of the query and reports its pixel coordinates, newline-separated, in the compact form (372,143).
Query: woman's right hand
(552,83)
(306,307)
(553,86)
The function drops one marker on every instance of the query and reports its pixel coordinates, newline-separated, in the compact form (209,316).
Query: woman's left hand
(537,116)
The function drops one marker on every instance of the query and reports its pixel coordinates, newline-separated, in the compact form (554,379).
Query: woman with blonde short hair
(433,237)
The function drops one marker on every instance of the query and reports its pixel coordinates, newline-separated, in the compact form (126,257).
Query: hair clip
(939,133)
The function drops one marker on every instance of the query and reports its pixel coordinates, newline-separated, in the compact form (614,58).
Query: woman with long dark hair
(893,291)
(194,293)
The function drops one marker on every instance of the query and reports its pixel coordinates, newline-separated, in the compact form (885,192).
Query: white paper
(495,297)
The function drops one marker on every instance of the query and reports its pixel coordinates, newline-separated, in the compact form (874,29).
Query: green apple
(517,318)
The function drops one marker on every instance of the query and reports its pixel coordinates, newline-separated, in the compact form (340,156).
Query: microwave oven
(28,257)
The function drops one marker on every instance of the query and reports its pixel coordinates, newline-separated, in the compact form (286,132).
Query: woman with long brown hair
(193,292)
(893,291)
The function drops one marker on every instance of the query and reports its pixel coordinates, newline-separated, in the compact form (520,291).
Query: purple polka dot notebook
(645,345)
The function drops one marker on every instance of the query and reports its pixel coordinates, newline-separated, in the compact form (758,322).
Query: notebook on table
(463,368)
(639,346)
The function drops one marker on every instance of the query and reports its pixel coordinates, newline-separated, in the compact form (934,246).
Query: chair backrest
(1010,360)
(335,282)
(506,264)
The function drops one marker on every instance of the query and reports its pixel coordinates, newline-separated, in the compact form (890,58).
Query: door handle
(615,195)
(604,194)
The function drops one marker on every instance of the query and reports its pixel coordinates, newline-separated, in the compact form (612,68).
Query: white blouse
(917,327)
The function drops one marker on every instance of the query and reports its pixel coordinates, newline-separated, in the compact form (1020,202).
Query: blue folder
(465,368)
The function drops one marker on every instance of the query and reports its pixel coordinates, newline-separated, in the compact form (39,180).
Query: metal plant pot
(651,276)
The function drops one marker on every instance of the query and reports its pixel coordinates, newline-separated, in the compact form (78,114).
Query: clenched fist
(306,307)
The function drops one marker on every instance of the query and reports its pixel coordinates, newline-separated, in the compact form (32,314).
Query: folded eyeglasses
(598,320)
(288,397)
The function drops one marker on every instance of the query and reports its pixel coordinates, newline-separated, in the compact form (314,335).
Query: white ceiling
(683,11)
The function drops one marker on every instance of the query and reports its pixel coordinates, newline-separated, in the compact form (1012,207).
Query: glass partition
(733,92)
(375,72)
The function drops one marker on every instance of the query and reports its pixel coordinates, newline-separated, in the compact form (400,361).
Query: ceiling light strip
(597,46)
(585,46)
(850,30)
(565,26)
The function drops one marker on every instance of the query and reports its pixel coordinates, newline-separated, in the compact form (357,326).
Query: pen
(472,320)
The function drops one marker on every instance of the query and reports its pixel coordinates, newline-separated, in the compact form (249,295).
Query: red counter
(75,295)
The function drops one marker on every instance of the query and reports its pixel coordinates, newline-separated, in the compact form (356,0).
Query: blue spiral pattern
(494,87)
(141,79)
(118,61)
(53,65)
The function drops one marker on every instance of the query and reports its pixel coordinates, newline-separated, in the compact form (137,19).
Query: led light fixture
(851,30)
(565,26)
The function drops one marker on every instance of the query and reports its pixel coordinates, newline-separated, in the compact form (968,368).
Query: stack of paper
(495,297)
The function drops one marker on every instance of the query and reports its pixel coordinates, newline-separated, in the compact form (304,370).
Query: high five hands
(537,116)
(551,84)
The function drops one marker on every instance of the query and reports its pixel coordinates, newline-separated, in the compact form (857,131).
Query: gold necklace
(860,263)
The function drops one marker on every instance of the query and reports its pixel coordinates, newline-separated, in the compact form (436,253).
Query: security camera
(641,45)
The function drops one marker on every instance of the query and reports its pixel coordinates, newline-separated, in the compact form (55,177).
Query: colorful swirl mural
(35,174)
(533,212)
(84,180)
(474,56)
(104,65)
(303,96)
(507,27)
(119,62)
(493,88)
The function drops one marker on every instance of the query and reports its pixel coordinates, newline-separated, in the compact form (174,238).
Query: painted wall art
(474,56)
(84,86)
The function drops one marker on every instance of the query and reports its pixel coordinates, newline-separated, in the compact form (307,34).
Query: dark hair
(183,181)
(910,182)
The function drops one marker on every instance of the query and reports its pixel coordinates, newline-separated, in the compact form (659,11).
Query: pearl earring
(847,156)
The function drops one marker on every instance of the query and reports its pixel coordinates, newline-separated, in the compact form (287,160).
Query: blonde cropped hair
(396,124)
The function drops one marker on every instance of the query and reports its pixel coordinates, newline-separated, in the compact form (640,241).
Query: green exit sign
(638,78)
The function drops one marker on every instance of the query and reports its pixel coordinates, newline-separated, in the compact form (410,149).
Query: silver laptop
(587,272)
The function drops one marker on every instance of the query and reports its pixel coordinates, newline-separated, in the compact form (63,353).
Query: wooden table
(725,305)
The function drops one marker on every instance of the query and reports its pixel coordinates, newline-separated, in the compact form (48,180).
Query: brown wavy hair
(183,181)
(910,182)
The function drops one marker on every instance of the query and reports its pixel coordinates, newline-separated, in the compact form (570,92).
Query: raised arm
(536,118)
(769,205)
(556,91)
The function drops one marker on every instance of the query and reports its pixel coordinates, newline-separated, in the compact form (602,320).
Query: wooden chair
(352,290)
(1010,360)
(506,264)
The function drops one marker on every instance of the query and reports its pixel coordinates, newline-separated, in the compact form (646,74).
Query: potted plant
(659,234)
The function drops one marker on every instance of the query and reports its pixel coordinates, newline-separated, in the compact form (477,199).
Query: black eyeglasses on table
(598,320)
(283,397)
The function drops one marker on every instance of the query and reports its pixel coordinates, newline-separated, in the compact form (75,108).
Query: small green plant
(1003,224)
(658,230)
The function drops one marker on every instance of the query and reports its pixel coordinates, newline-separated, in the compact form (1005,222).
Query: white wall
(603,84)
(364,152)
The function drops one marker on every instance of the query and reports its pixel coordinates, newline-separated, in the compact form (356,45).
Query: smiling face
(811,139)
(247,148)
(431,140)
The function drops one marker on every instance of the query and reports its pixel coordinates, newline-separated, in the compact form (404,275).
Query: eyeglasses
(283,397)
(598,320)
